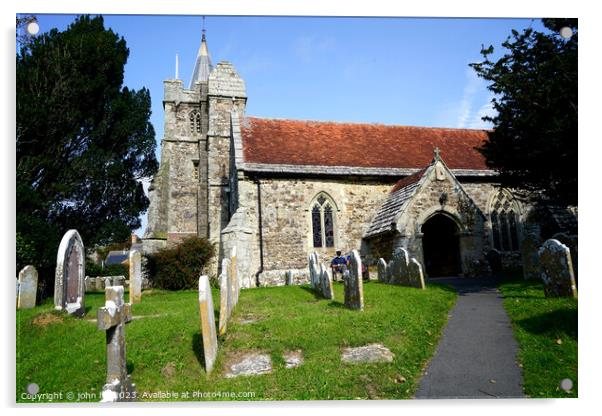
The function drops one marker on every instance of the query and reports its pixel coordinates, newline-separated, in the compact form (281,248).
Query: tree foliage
(533,144)
(84,142)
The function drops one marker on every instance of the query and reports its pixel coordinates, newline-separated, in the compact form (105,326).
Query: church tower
(189,194)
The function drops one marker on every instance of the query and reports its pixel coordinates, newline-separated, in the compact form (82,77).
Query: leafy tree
(84,142)
(533,144)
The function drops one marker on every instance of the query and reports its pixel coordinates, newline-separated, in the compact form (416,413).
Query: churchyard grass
(546,330)
(62,353)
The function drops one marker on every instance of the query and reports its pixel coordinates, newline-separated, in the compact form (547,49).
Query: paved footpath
(476,357)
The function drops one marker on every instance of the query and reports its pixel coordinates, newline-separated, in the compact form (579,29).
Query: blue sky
(407,71)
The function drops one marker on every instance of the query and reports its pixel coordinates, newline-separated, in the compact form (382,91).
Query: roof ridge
(362,123)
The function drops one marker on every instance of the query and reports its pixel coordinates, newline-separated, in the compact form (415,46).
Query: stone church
(279,190)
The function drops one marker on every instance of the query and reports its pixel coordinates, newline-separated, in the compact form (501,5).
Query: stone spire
(202,66)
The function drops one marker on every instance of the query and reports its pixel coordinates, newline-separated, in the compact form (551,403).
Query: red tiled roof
(408,180)
(297,142)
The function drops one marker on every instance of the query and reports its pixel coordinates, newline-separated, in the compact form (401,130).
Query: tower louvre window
(195,122)
(195,170)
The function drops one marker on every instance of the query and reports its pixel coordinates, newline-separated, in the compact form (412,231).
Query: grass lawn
(61,353)
(546,330)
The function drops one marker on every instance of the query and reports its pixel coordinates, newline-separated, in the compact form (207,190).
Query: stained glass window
(316,223)
(328,226)
(323,222)
(505,221)
(495,226)
(513,230)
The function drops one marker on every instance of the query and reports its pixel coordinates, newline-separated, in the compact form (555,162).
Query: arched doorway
(441,247)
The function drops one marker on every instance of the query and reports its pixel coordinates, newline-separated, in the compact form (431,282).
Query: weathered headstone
(571,242)
(557,270)
(112,319)
(416,275)
(207,323)
(28,287)
(288,279)
(382,270)
(326,283)
(314,271)
(234,282)
(69,287)
(529,250)
(354,290)
(224,296)
(399,267)
(135,277)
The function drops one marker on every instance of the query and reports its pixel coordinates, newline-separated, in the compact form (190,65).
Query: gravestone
(224,296)
(314,272)
(135,277)
(529,252)
(69,287)
(382,270)
(326,283)
(557,270)
(571,242)
(112,319)
(28,287)
(415,273)
(354,290)
(234,283)
(288,278)
(207,323)
(399,267)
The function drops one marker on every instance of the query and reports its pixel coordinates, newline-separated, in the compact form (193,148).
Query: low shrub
(179,267)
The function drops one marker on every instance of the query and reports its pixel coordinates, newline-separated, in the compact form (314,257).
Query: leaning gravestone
(28,287)
(557,270)
(399,268)
(415,273)
(529,250)
(135,277)
(354,290)
(207,323)
(234,283)
(314,272)
(326,283)
(69,287)
(112,319)
(382,270)
(224,296)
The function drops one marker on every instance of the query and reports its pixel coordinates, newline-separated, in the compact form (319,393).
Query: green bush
(179,267)
(93,270)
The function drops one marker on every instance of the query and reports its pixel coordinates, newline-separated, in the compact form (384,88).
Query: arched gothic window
(504,215)
(195,122)
(323,221)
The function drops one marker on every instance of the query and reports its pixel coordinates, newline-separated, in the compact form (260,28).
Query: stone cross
(557,270)
(69,286)
(382,270)
(135,277)
(415,274)
(398,270)
(207,316)
(112,319)
(224,296)
(354,290)
(28,288)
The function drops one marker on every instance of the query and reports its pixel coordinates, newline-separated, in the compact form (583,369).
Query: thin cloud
(307,48)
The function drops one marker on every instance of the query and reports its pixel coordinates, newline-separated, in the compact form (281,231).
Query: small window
(195,170)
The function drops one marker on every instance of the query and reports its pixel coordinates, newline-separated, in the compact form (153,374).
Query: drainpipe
(260,219)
